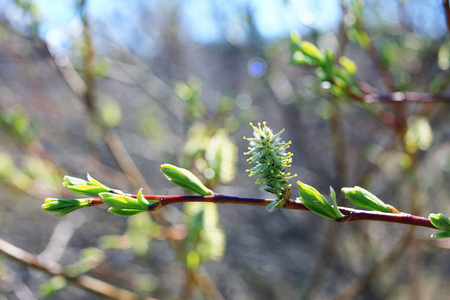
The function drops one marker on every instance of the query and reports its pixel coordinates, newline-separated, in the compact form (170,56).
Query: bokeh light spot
(244,101)
(256,67)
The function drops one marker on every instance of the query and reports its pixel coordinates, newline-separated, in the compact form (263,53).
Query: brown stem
(88,62)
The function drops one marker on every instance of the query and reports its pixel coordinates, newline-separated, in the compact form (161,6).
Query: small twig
(86,282)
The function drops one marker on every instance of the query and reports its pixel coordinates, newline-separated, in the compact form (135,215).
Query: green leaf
(335,206)
(63,206)
(295,38)
(73,181)
(95,182)
(343,78)
(186,179)
(440,221)
(272,205)
(359,36)
(53,285)
(120,201)
(86,188)
(317,203)
(441,235)
(348,64)
(328,65)
(363,198)
(125,211)
(144,203)
(310,50)
(301,59)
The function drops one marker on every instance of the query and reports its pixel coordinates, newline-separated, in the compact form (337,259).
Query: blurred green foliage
(171,98)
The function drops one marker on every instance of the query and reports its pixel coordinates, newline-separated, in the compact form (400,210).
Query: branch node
(344,219)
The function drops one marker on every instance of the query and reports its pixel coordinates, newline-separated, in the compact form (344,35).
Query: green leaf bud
(125,205)
(440,221)
(63,206)
(317,203)
(86,188)
(363,198)
(311,51)
(294,38)
(53,285)
(186,179)
(120,201)
(348,64)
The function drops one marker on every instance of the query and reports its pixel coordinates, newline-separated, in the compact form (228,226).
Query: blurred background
(115,89)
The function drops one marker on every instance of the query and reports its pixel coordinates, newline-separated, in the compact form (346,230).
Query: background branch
(85,282)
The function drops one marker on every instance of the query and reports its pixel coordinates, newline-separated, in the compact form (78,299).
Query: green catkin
(271,159)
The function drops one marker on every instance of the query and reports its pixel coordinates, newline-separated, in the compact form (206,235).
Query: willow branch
(350,214)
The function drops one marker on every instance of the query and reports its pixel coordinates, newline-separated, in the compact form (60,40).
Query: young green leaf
(335,206)
(348,64)
(295,38)
(328,65)
(64,206)
(186,179)
(144,203)
(311,51)
(363,198)
(272,205)
(124,211)
(441,235)
(317,203)
(440,221)
(120,201)
(95,182)
(125,205)
(53,285)
(86,188)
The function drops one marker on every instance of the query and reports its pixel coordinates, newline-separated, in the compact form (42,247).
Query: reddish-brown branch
(350,213)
